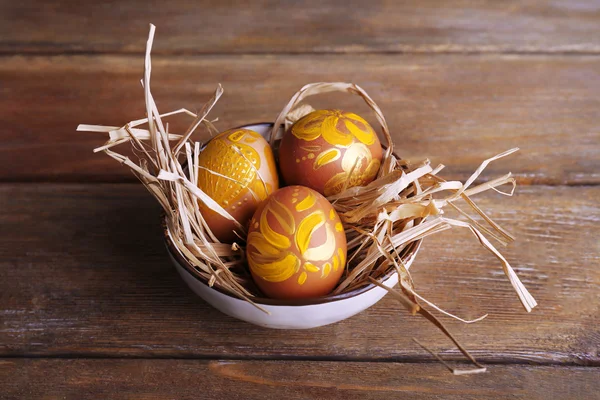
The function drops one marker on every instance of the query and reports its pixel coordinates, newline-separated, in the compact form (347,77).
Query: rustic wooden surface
(90,306)
(85,273)
(455,110)
(217,26)
(202,379)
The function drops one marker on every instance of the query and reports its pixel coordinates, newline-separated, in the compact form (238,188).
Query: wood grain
(83,272)
(90,306)
(298,27)
(455,110)
(220,379)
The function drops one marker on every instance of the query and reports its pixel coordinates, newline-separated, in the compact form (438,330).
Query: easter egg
(327,150)
(237,170)
(296,245)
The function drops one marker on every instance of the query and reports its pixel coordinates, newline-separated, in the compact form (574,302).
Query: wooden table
(90,306)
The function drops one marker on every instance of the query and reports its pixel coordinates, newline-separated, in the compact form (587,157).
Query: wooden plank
(456,110)
(221,379)
(83,272)
(299,27)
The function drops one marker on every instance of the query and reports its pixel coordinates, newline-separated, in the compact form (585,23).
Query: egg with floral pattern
(329,150)
(237,170)
(296,245)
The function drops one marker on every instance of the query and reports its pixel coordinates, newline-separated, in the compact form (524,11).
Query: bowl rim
(408,253)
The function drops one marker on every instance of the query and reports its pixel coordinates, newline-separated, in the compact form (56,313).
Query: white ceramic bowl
(292,314)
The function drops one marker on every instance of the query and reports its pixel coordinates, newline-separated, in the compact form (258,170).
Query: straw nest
(405,203)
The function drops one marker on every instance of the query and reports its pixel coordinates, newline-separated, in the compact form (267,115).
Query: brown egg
(231,168)
(296,245)
(327,148)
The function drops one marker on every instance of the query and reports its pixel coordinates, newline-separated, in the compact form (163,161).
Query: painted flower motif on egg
(296,245)
(329,149)
(237,170)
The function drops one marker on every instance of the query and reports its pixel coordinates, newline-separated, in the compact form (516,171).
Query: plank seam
(558,53)
(593,363)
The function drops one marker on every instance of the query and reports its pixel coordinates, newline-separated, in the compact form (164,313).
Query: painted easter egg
(237,170)
(296,245)
(328,150)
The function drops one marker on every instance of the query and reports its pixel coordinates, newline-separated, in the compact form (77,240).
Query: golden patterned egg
(296,245)
(237,170)
(328,149)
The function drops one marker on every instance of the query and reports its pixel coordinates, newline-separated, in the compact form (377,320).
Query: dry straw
(382,220)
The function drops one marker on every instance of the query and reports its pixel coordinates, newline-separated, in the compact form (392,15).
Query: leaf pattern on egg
(236,165)
(341,130)
(270,256)
(336,127)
